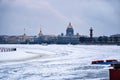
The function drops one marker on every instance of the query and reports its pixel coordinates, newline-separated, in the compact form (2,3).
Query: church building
(69,30)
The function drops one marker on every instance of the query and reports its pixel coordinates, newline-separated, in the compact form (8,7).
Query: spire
(25,37)
(40,33)
(69,26)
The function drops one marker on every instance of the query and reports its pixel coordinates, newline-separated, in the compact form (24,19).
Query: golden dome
(40,33)
(69,26)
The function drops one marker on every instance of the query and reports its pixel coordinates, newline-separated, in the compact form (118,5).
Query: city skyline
(53,16)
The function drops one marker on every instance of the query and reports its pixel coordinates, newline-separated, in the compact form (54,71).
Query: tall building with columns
(91,33)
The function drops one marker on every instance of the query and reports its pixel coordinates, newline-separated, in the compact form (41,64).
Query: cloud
(103,15)
(22,13)
(54,15)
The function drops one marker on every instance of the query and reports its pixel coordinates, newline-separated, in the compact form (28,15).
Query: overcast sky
(53,16)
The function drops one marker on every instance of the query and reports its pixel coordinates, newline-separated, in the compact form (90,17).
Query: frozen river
(56,62)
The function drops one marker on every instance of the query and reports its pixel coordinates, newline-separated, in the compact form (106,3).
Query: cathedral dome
(69,26)
(69,30)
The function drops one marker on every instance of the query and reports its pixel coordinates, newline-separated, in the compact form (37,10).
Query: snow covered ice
(56,62)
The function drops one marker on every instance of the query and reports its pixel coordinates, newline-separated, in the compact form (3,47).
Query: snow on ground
(56,62)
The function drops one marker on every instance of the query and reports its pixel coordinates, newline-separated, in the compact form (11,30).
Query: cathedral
(69,30)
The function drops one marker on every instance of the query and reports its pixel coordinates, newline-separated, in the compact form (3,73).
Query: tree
(82,39)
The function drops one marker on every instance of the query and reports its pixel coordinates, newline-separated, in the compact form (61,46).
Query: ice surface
(61,62)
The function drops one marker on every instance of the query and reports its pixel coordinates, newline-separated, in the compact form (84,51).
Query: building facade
(69,30)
